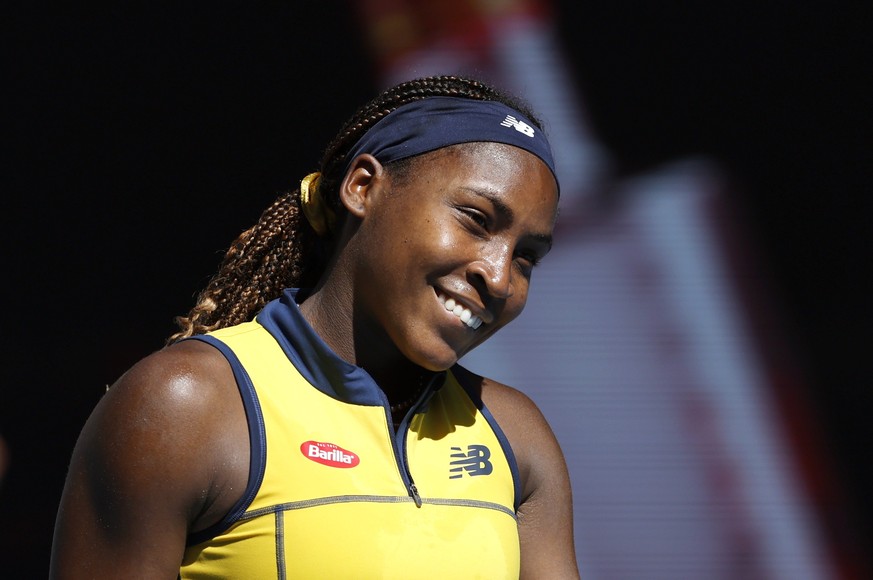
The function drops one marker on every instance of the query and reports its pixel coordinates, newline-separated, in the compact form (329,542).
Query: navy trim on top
(313,357)
(257,444)
(465,378)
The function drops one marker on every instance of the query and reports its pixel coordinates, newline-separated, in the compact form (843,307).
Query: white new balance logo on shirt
(519,126)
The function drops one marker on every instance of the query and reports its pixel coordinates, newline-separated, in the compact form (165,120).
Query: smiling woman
(309,419)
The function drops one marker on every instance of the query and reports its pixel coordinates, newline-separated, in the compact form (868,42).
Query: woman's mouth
(460,311)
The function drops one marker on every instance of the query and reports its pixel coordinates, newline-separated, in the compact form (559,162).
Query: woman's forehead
(486,158)
(491,170)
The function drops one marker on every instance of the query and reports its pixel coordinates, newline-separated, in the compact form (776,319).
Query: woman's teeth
(461,312)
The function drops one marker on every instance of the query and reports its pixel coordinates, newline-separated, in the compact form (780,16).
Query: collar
(315,360)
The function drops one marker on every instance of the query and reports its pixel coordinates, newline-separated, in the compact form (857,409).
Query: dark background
(139,139)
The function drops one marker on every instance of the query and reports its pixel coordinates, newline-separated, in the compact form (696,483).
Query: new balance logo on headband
(519,126)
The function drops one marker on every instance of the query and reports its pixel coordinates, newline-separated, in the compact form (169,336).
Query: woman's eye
(529,259)
(477,218)
(527,262)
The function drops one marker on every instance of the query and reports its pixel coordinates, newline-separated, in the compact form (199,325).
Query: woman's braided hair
(282,250)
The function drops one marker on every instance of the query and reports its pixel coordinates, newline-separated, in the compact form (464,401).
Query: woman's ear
(365,177)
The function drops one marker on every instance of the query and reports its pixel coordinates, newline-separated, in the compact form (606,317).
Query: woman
(328,431)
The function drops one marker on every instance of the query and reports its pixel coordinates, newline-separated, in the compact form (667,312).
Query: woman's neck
(329,311)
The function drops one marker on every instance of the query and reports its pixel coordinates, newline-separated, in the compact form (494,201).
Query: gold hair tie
(319,216)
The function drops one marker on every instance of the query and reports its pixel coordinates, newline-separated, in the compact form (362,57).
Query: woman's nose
(495,272)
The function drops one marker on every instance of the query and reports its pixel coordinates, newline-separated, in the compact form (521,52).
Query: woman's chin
(435,360)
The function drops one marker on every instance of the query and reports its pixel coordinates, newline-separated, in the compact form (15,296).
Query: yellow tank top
(334,492)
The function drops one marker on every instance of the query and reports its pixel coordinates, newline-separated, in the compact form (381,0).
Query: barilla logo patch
(329,454)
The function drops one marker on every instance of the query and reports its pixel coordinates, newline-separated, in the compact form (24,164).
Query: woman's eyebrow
(504,210)
(507,213)
(545,239)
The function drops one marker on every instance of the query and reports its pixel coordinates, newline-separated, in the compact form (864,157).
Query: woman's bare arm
(545,516)
(152,459)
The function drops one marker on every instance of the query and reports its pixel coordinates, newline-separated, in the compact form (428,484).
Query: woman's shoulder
(189,378)
(157,459)
(508,404)
(180,363)
(533,442)
(176,413)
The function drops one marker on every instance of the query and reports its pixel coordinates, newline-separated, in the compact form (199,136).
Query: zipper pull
(415,496)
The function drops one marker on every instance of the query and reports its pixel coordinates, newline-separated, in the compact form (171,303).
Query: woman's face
(448,250)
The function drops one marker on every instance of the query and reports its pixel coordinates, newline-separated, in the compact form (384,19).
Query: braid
(264,260)
(281,250)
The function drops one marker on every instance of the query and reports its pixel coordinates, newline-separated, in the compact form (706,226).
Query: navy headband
(435,122)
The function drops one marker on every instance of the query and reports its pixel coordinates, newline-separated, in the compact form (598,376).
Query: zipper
(414,491)
(399,441)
